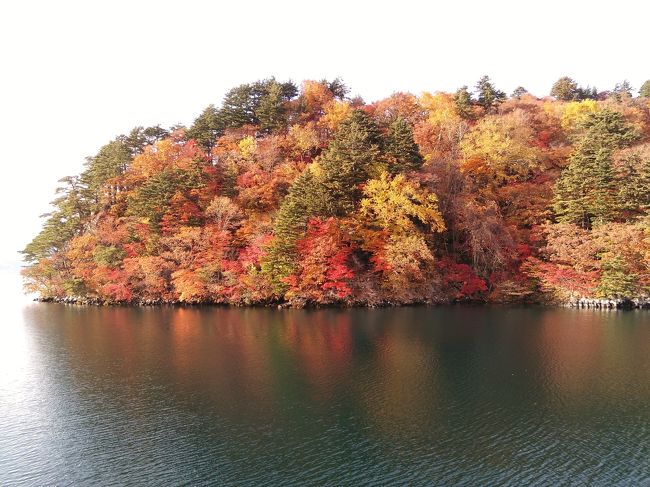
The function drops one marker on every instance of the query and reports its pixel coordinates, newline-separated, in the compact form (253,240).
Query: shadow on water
(449,396)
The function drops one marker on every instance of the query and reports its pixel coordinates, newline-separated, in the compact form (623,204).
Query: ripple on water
(419,396)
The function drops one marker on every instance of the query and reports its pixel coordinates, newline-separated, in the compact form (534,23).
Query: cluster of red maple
(308,197)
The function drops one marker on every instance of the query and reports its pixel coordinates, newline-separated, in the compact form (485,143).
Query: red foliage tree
(324,272)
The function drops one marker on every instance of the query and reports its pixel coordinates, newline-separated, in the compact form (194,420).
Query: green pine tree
(241,104)
(152,199)
(140,137)
(644,91)
(622,90)
(271,109)
(518,92)
(348,161)
(463,101)
(487,95)
(207,128)
(290,225)
(634,187)
(401,146)
(69,218)
(111,161)
(586,191)
(565,89)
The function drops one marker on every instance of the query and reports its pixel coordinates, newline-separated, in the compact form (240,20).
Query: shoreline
(614,304)
(80,301)
(583,303)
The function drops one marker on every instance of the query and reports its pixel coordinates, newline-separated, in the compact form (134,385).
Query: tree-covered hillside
(306,196)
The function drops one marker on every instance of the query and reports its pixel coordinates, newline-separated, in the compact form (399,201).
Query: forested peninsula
(301,195)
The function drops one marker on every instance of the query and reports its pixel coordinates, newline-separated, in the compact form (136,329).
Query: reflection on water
(248,396)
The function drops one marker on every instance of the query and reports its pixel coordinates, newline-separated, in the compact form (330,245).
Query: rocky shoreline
(589,303)
(92,301)
(101,302)
(582,303)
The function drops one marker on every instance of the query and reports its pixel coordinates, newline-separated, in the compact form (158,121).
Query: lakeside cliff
(306,196)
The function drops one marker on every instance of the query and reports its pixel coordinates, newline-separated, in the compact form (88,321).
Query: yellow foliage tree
(335,112)
(394,211)
(304,138)
(406,256)
(440,108)
(443,128)
(247,147)
(576,111)
(394,203)
(499,149)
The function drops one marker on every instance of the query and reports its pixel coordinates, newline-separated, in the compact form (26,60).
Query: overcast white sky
(75,74)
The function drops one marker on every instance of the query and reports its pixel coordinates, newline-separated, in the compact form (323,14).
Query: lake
(228,396)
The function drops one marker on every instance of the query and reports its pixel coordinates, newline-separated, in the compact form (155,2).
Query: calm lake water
(214,396)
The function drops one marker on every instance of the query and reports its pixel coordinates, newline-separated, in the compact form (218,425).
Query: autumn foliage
(304,196)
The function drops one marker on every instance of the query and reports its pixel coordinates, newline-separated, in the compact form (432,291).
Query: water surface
(205,396)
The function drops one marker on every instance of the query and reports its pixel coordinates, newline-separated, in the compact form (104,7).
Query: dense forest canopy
(305,196)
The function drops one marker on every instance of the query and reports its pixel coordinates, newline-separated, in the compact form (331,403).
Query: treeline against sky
(306,196)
